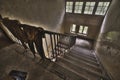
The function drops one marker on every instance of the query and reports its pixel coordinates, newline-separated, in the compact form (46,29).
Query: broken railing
(56,43)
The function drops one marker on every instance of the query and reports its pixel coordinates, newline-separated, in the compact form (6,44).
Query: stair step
(83,59)
(83,64)
(64,73)
(83,55)
(84,51)
(87,73)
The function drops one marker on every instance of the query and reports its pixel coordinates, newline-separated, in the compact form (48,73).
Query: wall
(48,14)
(108,48)
(94,23)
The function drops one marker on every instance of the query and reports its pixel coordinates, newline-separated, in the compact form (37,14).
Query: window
(80,29)
(78,7)
(69,6)
(89,7)
(83,29)
(73,28)
(102,8)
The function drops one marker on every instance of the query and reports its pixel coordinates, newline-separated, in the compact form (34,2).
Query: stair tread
(83,50)
(90,74)
(65,73)
(83,55)
(83,59)
(83,64)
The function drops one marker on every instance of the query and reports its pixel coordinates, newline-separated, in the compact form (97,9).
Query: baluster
(52,45)
(58,44)
(55,45)
(46,44)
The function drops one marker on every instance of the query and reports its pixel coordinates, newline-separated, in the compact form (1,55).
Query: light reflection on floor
(83,43)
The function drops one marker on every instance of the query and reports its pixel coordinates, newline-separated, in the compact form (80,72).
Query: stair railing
(57,43)
(60,43)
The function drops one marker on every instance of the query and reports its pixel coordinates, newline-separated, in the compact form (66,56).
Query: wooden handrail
(31,34)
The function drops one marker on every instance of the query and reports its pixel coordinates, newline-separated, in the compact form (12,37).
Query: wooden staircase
(78,64)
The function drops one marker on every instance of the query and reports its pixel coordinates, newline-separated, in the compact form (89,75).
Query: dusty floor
(12,58)
(79,64)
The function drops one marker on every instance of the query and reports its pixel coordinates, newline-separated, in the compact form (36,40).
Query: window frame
(102,8)
(84,5)
(83,29)
(90,7)
(80,7)
(71,28)
(70,7)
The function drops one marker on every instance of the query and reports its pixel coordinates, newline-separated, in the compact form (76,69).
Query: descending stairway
(78,64)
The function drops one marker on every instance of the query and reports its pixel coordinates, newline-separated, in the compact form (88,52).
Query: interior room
(59,39)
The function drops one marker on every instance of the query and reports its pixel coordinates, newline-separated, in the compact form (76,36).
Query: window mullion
(73,7)
(95,8)
(83,29)
(83,8)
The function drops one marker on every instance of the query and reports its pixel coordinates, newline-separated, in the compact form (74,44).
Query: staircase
(78,64)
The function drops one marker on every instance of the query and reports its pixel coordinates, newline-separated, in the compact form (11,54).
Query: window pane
(89,7)
(78,7)
(80,29)
(102,8)
(69,6)
(85,30)
(73,28)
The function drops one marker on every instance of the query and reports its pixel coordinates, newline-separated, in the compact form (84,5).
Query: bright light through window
(102,8)
(89,7)
(80,29)
(69,6)
(85,30)
(78,7)
(73,28)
